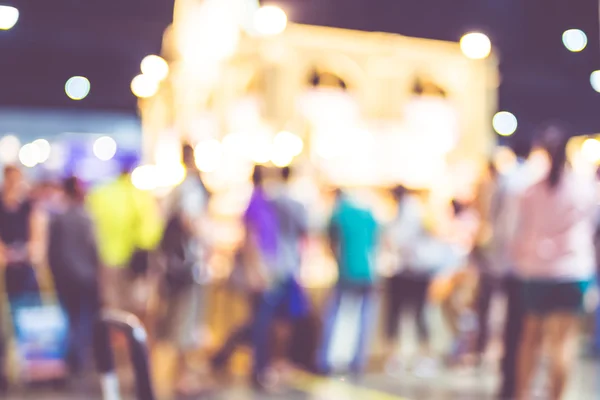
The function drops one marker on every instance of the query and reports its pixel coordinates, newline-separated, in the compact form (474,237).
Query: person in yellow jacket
(128,221)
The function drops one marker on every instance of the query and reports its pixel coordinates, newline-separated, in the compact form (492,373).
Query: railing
(132,328)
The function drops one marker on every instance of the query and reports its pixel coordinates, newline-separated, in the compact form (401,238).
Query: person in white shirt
(511,186)
(553,250)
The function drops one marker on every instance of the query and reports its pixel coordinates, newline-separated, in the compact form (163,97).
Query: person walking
(353,238)
(553,250)
(254,262)
(283,299)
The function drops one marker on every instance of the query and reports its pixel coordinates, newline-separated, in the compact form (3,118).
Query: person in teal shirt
(353,238)
(353,241)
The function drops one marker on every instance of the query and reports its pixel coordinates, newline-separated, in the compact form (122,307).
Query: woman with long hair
(554,253)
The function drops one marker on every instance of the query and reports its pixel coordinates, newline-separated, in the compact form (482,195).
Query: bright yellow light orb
(144,86)
(590,150)
(476,45)
(155,67)
(9,16)
(270,21)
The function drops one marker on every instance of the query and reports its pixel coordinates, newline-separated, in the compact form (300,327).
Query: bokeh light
(144,86)
(595,80)
(105,148)
(270,21)
(9,16)
(9,149)
(575,40)
(281,159)
(590,150)
(208,154)
(169,175)
(505,123)
(77,87)
(476,45)
(29,155)
(144,177)
(288,143)
(155,67)
(43,149)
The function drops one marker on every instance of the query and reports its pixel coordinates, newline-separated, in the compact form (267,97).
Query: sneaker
(426,368)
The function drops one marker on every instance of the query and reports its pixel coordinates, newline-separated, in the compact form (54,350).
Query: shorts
(544,297)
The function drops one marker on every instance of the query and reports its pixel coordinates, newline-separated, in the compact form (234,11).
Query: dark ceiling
(105,41)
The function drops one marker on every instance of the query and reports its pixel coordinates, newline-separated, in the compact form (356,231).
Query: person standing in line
(284,299)
(353,239)
(553,251)
(410,285)
(511,186)
(22,245)
(75,264)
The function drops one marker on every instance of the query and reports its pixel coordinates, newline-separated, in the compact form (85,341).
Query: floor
(448,385)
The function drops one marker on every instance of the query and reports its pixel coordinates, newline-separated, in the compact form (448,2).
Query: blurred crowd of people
(530,240)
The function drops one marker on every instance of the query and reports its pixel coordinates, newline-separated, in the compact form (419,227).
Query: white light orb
(29,155)
(77,87)
(476,45)
(9,149)
(575,40)
(155,67)
(595,80)
(105,148)
(288,143)
(261,152)
(208,155)
(281,159)
(505,123)
(9,16)
(590,150)
(169,175)
(43,148)
(144,177)
(144,86)
(270,21)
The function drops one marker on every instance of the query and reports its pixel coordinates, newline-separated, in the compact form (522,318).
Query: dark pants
(515,317)
(286,301)
(407,291)
(488,285)
(82,304)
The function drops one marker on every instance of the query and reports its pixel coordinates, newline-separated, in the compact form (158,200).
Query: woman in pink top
(554,254)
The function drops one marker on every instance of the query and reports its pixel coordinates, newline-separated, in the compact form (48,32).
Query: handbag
(140,259)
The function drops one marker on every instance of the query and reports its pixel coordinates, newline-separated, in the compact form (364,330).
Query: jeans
(285,301)
(366,296)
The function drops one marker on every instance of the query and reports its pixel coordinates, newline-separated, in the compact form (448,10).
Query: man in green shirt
(353,237)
